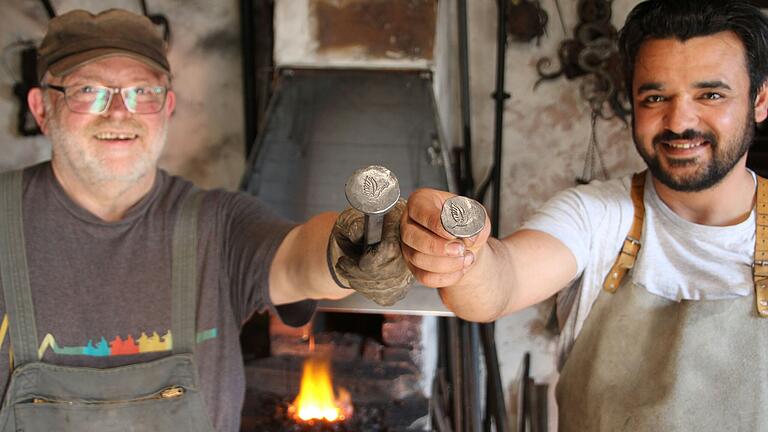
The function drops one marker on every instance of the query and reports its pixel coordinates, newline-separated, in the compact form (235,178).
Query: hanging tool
(159,20)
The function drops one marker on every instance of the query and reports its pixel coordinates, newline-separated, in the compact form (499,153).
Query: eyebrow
(656,86)
(99,80)
(651,86)
(712,85)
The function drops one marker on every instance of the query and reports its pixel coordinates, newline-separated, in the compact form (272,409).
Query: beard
(724,158)
(93,167)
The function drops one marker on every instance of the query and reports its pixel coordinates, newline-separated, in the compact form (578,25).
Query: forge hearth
(376,358)
(270,412)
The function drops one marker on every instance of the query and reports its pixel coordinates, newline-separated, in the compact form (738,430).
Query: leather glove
(379,273)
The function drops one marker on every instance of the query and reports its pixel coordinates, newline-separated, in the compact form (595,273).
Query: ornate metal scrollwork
(526,20)
(593,55)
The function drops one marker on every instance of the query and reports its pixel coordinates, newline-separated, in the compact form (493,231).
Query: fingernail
(469,258)
(455,248)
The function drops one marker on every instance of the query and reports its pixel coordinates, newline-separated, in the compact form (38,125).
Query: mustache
(111,125)
(688,135)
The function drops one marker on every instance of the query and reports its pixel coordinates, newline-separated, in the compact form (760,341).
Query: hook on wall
(592,54)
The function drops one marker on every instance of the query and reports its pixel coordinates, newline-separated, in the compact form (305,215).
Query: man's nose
(116,107)
(681,115)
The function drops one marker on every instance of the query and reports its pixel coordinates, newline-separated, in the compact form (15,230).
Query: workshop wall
(205,138)
(546,131)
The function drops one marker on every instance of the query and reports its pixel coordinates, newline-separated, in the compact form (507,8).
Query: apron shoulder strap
(14,272)
(760,267)
(631,246)
(184,274)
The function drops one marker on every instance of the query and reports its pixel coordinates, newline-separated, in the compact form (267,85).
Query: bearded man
(667,270)
(124,288)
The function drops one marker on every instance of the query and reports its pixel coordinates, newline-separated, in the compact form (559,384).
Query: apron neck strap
(631,246)
(14,271)
(760,266)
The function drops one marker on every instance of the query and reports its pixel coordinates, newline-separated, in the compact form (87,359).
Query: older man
(678,343)
(124,288)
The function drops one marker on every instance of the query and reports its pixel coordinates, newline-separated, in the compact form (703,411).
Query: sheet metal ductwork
(321,125)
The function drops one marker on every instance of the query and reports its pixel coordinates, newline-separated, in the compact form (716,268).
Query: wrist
(333,253)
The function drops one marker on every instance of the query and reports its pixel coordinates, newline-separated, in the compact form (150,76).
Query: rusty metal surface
(381,28)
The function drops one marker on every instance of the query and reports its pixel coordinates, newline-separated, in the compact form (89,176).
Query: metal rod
(468,181)
(500,96)
(49,8)
(495,396)
(495,391)
(249,72)
(372,231)
(457,389)
(467,376)
(473,381)
(560,14)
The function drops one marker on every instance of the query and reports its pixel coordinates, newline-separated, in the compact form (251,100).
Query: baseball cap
(79,37)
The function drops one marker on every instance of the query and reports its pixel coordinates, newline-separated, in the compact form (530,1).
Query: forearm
(300,268)
(511,274)
(480,295)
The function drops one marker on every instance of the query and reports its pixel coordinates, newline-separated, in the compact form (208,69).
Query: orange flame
(316,400)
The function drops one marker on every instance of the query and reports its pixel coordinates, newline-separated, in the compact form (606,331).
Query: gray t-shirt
(678,260)
(101,290)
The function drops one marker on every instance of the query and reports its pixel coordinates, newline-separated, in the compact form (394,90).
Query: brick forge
(377,358)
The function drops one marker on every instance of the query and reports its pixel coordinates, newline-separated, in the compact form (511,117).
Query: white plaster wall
(205,139)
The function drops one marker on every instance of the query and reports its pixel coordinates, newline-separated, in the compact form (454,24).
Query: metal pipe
(468,376)
(500,96)
(49,8)
(473,379)
(495,391)
(468,182)
(457,387)
(249,72)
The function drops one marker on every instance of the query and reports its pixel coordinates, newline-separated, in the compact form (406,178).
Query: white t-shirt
(678,259)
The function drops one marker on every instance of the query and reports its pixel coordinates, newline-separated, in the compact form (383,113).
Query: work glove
(379,273)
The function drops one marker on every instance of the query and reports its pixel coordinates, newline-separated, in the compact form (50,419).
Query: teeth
(684,146)
(115,136)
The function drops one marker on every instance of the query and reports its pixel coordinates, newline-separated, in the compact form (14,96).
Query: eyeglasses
(90,99)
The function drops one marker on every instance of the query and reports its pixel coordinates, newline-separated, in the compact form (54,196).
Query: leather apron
(646,363)
(158,395)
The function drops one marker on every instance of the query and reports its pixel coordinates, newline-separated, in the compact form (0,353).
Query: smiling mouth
(685,145)
(116,136)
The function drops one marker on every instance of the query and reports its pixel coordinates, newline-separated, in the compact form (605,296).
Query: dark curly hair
(685,19)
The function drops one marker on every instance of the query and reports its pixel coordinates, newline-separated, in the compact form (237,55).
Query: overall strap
(760,267)
(631,246)
(184,274)
(14,270)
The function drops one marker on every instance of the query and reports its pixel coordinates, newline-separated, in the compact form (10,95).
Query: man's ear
(761,103)
(37,108)
(170,103)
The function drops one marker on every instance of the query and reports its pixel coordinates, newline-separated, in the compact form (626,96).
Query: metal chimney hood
(322,124)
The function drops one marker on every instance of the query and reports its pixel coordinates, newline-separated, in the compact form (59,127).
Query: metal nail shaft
(373,226)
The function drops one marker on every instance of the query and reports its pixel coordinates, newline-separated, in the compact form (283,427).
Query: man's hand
(436,258)
(379,273)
